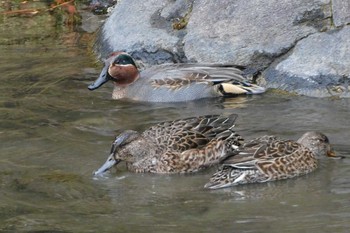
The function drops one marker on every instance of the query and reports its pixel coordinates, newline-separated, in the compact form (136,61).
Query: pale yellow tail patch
(234,89)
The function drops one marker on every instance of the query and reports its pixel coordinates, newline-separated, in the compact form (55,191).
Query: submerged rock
(288,40)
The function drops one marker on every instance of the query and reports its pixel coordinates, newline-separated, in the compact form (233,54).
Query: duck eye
(326,140)
(119,61)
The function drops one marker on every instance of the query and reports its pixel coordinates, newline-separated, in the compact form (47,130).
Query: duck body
(173,82)
(154,86)
(269,158)
(180,146)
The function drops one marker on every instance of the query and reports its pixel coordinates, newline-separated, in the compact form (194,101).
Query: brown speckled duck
(172,82)
(269,158)
(180,146)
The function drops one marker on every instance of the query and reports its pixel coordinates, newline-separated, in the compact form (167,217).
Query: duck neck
(126,77)
(120,86)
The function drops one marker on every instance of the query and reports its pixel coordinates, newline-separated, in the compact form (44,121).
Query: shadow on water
(54,133)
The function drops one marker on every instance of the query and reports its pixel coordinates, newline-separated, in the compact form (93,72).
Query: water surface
(54,133)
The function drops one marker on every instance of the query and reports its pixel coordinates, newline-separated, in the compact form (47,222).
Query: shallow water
(54,133)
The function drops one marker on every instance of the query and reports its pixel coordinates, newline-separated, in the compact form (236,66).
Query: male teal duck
(172,82)
(269,158)
(179,146)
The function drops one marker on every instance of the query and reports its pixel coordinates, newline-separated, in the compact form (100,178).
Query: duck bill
(333,155)
(111,161)
(102,79)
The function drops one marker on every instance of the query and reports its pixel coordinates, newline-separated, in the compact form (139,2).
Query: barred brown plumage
(269,158)
(179,146)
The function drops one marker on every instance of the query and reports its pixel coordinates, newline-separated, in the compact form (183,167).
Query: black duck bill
(111,160)
(102,79)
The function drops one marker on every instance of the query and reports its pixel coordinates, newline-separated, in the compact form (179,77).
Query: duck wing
(194,132)
(226,79)
(264,159)
(266,153)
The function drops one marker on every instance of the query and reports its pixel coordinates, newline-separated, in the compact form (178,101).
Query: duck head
(120,151)
(120,68)
(318,143)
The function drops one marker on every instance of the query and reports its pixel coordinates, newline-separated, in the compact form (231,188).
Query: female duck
(269,158)
(180,146)
(172,82)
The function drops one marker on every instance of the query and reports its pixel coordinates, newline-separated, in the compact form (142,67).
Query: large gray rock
(251,32)
(142,29)
(341,12)
(319,66)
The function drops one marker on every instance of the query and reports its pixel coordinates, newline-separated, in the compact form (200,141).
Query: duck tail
(239,88)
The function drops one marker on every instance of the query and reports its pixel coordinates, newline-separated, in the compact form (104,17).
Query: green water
(54,133)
